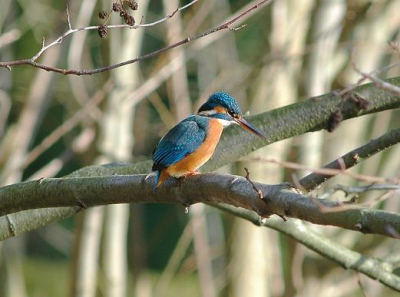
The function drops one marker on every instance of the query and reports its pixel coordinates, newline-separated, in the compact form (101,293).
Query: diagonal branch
(32,61)
(313,180)
(71,31)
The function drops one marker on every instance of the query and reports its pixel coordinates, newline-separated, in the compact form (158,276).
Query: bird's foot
(192,173)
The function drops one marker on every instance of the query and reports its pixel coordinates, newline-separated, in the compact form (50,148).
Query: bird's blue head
(224,107)
(221,102)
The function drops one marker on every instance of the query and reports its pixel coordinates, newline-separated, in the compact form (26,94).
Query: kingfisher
(192,142)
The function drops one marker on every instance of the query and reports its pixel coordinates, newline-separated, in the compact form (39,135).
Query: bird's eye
(235,115)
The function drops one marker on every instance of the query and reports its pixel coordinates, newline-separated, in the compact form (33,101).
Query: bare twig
(70,31)
(361,189)
(353,158)
(237,28)
(345,91)
(32,62)
(68,18)
(380,83)
(377,81)
(395,46)
(260,194)
(325,171)
(169,16)
(346,205)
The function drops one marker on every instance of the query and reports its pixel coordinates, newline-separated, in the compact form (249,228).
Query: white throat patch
(225,123)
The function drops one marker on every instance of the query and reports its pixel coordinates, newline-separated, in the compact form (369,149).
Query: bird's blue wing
(180,141)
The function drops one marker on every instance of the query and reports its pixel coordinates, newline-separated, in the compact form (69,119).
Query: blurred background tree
(51,125)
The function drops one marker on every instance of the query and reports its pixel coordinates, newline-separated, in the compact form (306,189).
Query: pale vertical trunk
(116,144)
(261,267)
(215,72)
(178,89)
(31,115)
(14,148)
(167,276)
(370,36)
(87,251)
(226,52)
(18,146)
(202,251)
(80,85)
(178,93)
(322,70)
(251,262)
(14,255)
(382,28)
(380,24)
(89,230)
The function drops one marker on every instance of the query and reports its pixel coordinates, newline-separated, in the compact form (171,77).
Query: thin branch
(348,89)
(362,189)
(328,172)
(32,61)
(170,15)
(395,46)
(391,191)
(259,193)
(68,18)
(378,82)
(352,158)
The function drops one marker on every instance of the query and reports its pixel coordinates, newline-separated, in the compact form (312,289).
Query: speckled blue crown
(222,99)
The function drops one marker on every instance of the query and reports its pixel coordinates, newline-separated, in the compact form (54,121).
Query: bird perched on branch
(191,143)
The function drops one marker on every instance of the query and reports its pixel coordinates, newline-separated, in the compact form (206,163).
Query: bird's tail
(161,176)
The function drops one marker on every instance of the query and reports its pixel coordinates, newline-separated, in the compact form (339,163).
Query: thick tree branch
(282,200)
(378,269)
(309,115)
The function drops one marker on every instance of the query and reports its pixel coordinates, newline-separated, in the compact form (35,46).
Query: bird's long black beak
(244,124)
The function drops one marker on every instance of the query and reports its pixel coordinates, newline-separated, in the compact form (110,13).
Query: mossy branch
(283,200)
(375,268)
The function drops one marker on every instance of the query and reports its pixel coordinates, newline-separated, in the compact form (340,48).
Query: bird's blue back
(181,140)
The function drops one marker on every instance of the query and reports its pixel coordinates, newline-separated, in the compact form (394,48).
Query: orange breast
(195,160)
